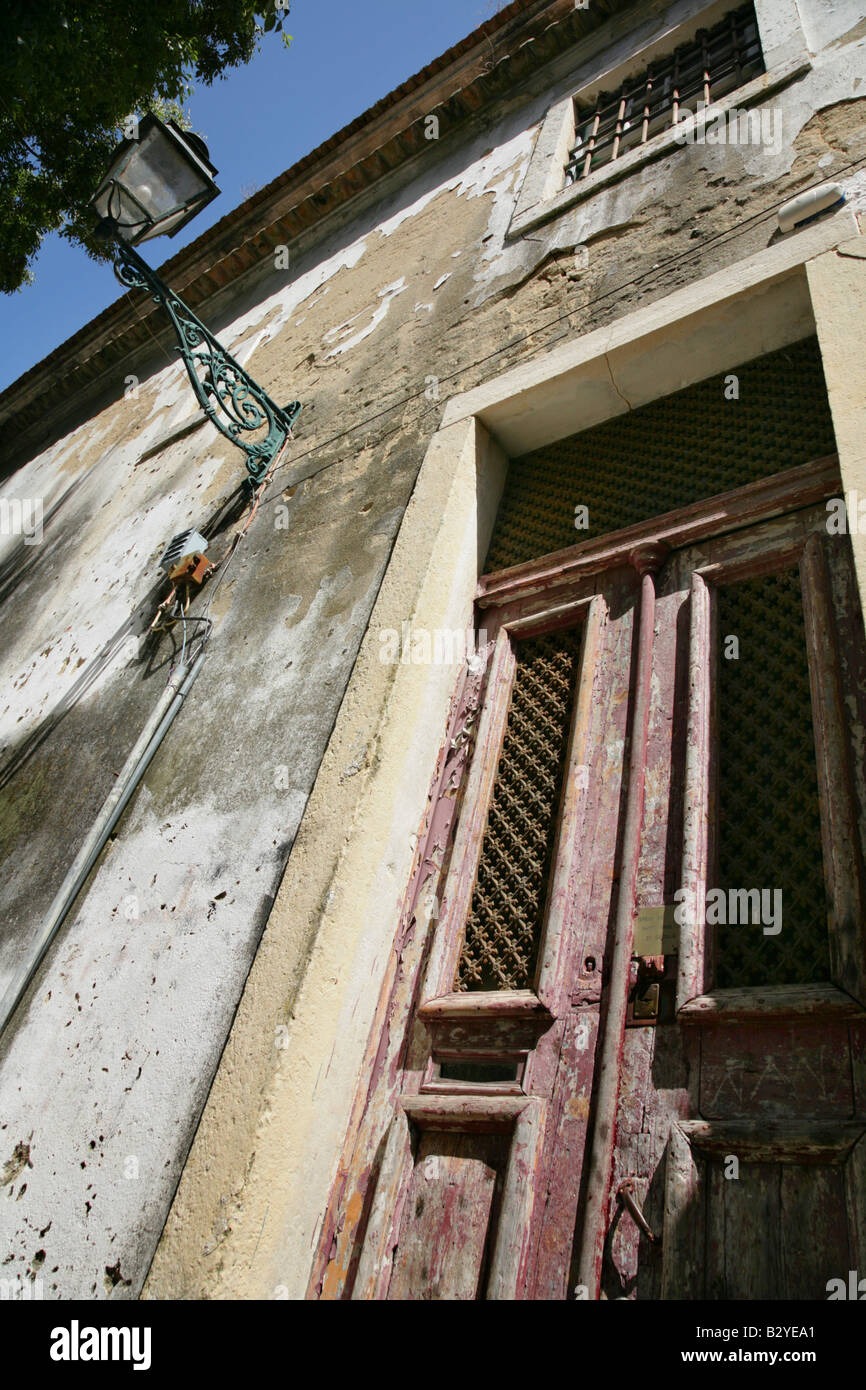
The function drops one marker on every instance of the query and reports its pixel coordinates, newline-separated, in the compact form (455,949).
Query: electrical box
(181,548)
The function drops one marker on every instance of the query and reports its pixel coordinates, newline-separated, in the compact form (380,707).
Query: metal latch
(645,1007)
(653,966)
(652,991)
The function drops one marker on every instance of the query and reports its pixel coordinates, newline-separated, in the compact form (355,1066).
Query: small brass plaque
(655,932)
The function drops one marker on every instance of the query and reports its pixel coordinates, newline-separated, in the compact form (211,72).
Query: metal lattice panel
(680,449)
(769,817)
(506,915)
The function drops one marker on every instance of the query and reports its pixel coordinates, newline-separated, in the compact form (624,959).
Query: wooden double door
(620,1051)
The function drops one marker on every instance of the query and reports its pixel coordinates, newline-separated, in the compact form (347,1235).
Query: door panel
(759,1168)
(478,1166)
(762,1065)
(799,1214)
(450,1213)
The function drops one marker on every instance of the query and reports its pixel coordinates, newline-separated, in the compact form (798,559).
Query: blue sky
(257,122)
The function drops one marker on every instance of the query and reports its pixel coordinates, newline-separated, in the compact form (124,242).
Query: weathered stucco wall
(106,1068)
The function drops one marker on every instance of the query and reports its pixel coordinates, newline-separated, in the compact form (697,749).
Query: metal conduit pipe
(646,560)
(113,807)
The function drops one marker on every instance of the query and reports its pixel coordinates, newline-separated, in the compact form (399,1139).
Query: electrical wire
(182,616)
(659,270)
(222,566)
(656,270)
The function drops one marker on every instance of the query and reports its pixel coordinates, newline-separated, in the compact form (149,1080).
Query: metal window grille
(506,916)
(711,65)
(769,833)
(676,450)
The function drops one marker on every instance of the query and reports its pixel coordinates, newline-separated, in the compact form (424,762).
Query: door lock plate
(645,1006)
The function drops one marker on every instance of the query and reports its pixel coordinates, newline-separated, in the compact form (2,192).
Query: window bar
(646,109)
(718,58)
(619,120)
(588,161)
(735,49)
(705,56)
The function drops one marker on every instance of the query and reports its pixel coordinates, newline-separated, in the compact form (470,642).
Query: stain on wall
(107,1065)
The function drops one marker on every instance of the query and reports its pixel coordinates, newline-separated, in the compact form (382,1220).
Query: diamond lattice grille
(506,915)
(682,448)
(769,816)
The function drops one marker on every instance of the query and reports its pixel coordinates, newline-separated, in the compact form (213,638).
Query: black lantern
(157,181)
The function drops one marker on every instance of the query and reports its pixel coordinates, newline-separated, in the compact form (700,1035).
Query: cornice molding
(488,64)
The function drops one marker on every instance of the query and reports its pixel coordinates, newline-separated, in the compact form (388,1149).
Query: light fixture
(158,180)
(809,205)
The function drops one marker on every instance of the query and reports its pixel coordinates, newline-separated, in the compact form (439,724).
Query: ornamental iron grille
(683,448)
(506,916)
(769,825)
(228,395)
(717,61)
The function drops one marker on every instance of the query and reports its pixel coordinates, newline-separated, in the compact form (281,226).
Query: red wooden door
(581,1081)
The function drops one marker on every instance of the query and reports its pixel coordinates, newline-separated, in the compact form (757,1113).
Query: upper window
(714,63)
(629,99)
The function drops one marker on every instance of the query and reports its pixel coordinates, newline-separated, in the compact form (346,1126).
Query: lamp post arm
(237,405)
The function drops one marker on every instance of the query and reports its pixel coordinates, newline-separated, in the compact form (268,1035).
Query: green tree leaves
(71,71)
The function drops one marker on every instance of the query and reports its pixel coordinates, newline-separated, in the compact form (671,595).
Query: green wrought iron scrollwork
(235,403)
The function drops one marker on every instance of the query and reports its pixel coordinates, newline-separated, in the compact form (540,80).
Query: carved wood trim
(504,1003)
(773,1141)
(513,1234)
(374,1267)
(729,511)
(770,1002)
(684,1270)
(692,978)
(448,939)
(557,945)
(489,1114)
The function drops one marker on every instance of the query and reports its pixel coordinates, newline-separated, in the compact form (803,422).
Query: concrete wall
(108,1064)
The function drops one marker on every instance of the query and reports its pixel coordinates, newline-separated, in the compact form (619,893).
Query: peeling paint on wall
(108,1064)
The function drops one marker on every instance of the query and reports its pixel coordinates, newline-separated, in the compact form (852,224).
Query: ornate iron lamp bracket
(235,403)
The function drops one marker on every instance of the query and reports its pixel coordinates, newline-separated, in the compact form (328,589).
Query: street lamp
(157,181)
